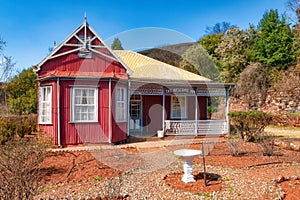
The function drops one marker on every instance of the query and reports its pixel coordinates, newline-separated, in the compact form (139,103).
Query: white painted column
(163,110)
(227,110)
(109,113)
(58,113)
(128,108)
(196,113)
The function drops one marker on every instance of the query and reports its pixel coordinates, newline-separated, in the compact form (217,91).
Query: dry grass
(286,132)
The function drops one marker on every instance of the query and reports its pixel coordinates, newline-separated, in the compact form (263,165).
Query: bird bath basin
(187,156)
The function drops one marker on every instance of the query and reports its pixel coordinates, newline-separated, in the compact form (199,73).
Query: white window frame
(182,106)
(74,105)
(121,104)
(45,104)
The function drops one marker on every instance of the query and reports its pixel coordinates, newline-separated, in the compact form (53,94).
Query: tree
(6,64)
(294,5)
(211,42)
(233,53)
(198,61)
(2,45)
(274,44)
(7,71)
(116,45)
(22,93)
(220,27)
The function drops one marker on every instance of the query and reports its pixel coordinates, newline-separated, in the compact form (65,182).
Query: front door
(135,110)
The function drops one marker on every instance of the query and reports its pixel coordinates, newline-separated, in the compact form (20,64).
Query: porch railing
(195,127)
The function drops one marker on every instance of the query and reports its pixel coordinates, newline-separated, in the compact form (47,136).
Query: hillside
(171,54)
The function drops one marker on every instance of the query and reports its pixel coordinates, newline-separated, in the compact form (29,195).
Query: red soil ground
(78,166)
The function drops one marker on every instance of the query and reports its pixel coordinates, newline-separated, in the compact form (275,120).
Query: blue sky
(30,27)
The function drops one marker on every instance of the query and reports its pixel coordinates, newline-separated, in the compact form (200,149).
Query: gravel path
(144,180)
(144,184)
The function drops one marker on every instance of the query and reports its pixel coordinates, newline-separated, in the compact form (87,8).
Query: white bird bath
(187,157)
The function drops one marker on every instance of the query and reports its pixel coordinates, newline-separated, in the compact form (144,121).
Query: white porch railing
(195,127)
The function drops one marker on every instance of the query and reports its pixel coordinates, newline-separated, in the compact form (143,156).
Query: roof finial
(84,17)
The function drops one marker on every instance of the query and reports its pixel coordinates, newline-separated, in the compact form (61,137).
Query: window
(84,104)
(121,95)
(178,107)
(45,105)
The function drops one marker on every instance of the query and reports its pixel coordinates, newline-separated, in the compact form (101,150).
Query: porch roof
(150,70)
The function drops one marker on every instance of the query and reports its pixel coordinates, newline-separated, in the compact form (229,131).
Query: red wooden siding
(76,133)
(71,64)
(152,114)
(119,129)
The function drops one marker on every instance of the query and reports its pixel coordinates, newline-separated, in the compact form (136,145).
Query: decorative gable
(82,54)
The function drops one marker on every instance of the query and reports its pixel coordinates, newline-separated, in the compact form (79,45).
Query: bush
(234,142)
(17,126)
(267,143)
(249,123)
(19,167)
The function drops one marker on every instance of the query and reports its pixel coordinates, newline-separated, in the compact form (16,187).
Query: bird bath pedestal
(187,157)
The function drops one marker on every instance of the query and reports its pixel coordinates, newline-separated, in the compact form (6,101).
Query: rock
(280,179)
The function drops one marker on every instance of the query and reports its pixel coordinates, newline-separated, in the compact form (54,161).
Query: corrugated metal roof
(144,67)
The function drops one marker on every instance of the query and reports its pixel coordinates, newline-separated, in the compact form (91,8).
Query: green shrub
(17,126)
(7,130)
(249,123)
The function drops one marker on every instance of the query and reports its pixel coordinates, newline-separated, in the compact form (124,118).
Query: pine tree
(116,45)
(274,43)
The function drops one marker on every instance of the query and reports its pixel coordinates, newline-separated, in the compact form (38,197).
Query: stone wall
(284,106)
(276,102)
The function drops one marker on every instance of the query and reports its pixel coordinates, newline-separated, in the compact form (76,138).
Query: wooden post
(196,113)
(227,110)
(204,167)
(163,110)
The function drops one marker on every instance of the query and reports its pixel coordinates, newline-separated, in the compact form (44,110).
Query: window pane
(178,107)
(84,107)
(45,99)
(121,104)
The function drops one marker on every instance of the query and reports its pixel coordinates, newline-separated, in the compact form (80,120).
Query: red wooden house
(91,94)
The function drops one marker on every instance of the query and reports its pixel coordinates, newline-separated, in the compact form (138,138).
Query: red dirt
(174,180)
(81,166)
(250,156)
(291,189)
(73,166)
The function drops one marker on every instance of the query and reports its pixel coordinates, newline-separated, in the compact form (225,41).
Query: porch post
(196,113)
(109,113)
(227,110)
(163,111)
(128,107)
(58,113)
